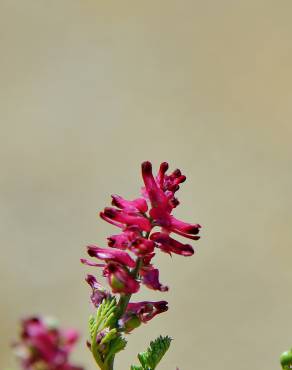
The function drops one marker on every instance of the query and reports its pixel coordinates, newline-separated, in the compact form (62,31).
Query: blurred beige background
(89,89)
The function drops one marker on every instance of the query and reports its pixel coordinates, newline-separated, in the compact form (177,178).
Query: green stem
(110,365)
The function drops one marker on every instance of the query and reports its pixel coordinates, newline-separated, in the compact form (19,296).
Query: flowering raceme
(146,225)
(127,261)
(44,346)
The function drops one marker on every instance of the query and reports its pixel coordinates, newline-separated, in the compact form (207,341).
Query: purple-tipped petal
(170,245)
(110,220)
(184,227)
(146,310)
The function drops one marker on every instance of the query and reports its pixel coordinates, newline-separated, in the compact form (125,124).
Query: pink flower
(115,269)
(183,228)
(142,246)
(123,271)
(140,312)
(132,240)
(169,184)
(120,280)
(126,238)
(155,194)
(113,255)
(161,195)
(146,310)
(122,218)
(169,245)
(123,240)
(135,205)
(98,292)
(42,342)
(150,278)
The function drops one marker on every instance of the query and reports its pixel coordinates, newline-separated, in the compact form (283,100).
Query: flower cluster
(44,346)
(127,263)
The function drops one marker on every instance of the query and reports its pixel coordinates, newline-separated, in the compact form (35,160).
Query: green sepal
(133,367)
(154,353)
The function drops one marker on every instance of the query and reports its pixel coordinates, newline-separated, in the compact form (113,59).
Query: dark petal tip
(111,242)
(147,167)
(109,212)
(194,229)
(164,166)
(90,251)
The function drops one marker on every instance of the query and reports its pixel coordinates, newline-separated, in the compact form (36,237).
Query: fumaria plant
(146,225)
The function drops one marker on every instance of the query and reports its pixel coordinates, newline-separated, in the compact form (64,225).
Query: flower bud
(286,359)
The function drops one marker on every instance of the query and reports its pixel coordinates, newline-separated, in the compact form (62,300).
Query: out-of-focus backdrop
(89,89)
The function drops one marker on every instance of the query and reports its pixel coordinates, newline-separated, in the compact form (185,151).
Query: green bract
(154,353)
(106,341)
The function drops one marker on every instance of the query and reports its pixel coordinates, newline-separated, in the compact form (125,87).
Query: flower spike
(127,263)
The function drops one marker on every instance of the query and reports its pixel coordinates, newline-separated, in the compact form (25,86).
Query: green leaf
(105,316)
(101,327)
(116,345)
(150,358)
(105,313)
(91,323)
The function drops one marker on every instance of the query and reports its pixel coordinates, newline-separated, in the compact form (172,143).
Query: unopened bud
(286,360)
